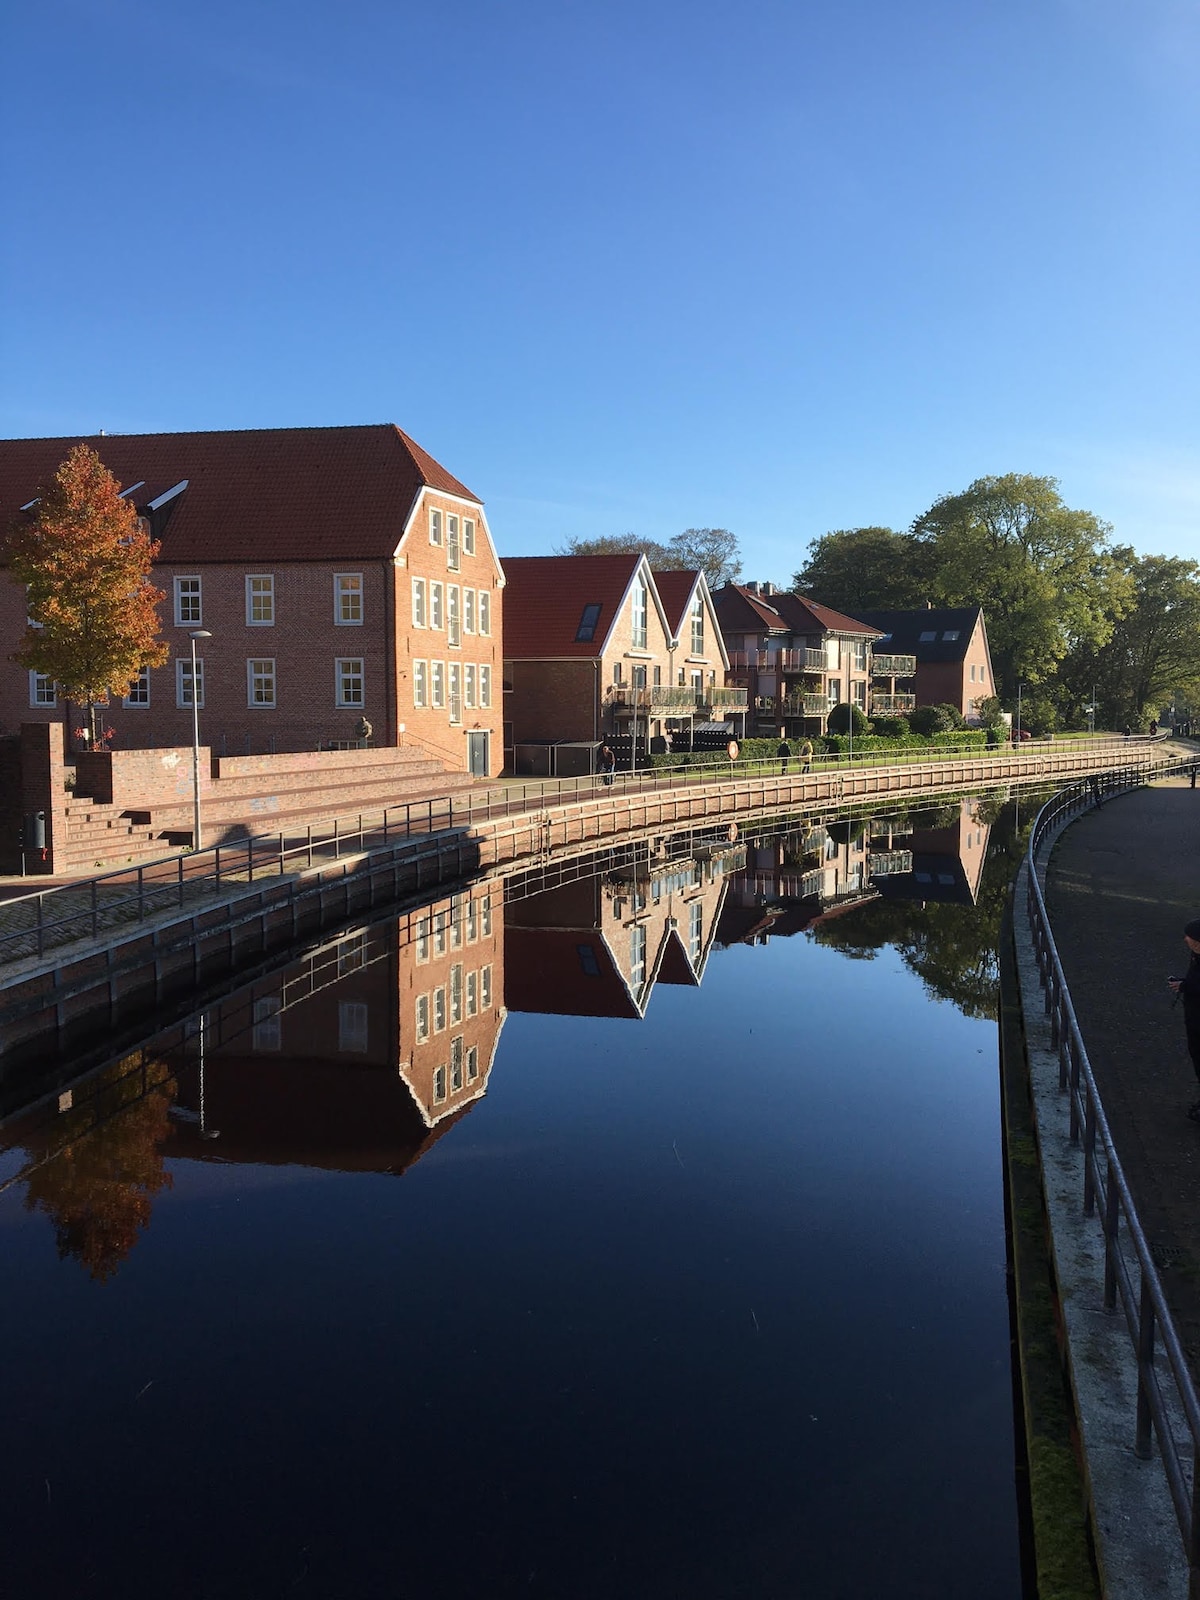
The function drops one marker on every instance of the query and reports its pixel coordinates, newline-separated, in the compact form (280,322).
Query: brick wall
(553,700)
(145,776)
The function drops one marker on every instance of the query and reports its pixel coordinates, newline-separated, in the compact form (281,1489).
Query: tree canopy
(865,569)
(84,558)
(713,551)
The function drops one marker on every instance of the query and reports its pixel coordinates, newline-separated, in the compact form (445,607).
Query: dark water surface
(657,1252)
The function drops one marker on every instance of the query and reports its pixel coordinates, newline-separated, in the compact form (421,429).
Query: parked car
(1021,734)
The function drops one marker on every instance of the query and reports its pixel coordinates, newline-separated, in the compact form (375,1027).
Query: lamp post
(197,633)
(1018,738)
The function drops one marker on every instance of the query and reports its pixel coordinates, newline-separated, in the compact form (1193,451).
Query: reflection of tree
(951,948)
(98,1188)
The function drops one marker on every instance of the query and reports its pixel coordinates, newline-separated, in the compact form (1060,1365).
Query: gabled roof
(676,590)
(545,597)
(256,494)
(786,613)
(565,972)
(906,627)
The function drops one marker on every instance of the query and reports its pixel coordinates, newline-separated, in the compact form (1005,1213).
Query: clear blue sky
(778,267)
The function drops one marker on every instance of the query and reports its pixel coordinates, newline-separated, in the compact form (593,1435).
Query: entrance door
(477,755)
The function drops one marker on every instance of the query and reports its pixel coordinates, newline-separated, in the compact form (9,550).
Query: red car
(1022,734)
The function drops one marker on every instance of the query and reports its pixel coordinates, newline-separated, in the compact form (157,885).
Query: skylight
(927,638)
(950,635)
(586,631)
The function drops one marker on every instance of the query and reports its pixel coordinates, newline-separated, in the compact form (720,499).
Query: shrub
(943,718)
(839,720)
(890,727)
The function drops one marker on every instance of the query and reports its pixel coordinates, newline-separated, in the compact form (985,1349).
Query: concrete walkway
(1120,885)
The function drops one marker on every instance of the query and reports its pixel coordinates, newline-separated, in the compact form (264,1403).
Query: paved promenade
(1120,886)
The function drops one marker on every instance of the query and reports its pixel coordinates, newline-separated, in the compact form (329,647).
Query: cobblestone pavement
(1120,886)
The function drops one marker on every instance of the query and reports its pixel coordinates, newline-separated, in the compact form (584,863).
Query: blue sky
(774,267)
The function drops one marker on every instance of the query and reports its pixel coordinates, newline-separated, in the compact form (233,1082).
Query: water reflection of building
(357,1057)
(596,947)
(806,872)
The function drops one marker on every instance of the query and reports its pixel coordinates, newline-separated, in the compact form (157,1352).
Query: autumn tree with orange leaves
(85,558)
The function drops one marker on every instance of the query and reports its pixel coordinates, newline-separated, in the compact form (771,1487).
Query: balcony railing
(894,666)
(883,704)
(801,660)
(624,697)
(679,698)
(889,863)
(727,697)
(806,705)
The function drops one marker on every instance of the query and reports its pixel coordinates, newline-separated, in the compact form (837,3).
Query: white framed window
(697,621)
(456,1064)
(637,956)
(468,611)
(485,687)
(183,681)
(639,613)
(188,610)
(695,930)
(436,615)
(422,940)
(267,1033)
(456,992)
(260,681)
(472,922)
(435,525)
(470,677)
(439,1084)
(348,680)
(43,691)
(139,689)
(485,612)
(420,683)
(485,917)
(472,1063)
(440,923)
(352,1026)
(437,685)
(468,536)
(422,1018)
(472,993)
(418,603)
(452,545)
(439,1010)
(453,615)
(260,600)
(348,599)
(972,672)
(485,988)
(455,685)
(860,655)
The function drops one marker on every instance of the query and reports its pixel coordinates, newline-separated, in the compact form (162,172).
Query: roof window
(926,638)
(586,631)
(950,635)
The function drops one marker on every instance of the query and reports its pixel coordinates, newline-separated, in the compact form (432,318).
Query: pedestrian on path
(1094,787)
(784,753)
(607,764)
(806,755)
(1187,989)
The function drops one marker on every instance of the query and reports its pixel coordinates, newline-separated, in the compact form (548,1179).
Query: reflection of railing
(888,863)
(718,696)
(894,666)
(883,703)
(1130,1276)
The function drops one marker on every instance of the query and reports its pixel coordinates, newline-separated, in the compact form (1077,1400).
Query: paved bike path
(1120,885)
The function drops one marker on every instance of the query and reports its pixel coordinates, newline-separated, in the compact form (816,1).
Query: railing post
(310,844)
(250,860)
(180,880)
(41,931)
(337,843)
(1112,1218)
(141,893)
(1089,1159)
(281,855)
(1145,1355)
(96,908)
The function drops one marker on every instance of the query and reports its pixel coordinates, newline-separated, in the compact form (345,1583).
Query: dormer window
(586,630)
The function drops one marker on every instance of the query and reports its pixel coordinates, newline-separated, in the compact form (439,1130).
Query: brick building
(949,652)
(592,652)
(340,573)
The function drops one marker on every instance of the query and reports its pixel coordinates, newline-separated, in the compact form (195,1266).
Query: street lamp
(197,633)
(1019,688)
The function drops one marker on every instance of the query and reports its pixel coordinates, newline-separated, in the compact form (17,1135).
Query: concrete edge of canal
(1102,1520)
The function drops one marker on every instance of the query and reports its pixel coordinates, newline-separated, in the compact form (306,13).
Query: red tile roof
(544,597)
(741,611)
(675,590)
(277,494)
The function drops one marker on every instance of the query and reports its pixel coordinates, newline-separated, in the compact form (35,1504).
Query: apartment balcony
(806,705)
(624,697)
(894,666)
(727,698)
(777,660)
(679,699)
(894,705)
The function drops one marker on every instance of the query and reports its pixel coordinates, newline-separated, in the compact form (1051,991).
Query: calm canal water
(635,1232)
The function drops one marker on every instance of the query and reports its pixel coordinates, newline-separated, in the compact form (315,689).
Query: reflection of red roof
(544,599)
(283,494)
(675,590)
(675,966)
(545,971)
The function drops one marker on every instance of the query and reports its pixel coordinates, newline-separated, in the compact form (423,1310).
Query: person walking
(806,755)
(1187,989)
(1094,788)
(606,762)
(784,753)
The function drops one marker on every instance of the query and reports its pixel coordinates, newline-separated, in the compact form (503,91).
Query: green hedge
(752,750)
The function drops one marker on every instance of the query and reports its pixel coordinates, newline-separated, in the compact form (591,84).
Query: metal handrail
(131,893)
(1105,1187)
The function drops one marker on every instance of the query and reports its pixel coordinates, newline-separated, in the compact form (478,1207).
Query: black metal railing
(1131,1281)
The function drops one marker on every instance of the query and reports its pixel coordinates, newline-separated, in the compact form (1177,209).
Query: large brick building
(340,573)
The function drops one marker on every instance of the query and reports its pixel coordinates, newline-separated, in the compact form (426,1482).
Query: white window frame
(353,1026)
(256,675)
(344,669)
(436,523)
(197,595)
(348,587)
(183,681)
(472,996)
(470,676)
(142,685)
(472,1063)
(456,1064)
(420,615)
(439,1084)
(439,1009)
(454,692)
(420,683)
(485,613)
(437,611)
(453,615)
(485,688)
(639,614)
(453,547)
(256,596)
(468,542)
(485,988)
(468,611)
(437,685)
(43,691)
(697,622)
(456,993)
(421,1019)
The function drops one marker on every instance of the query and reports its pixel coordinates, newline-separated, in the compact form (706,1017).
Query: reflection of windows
(439,1085)
(439,1010)
(695,931)
(422,1018)
(267,1034)
(950,635)
(456,1064)
(637,957)
(472,1064)
(485,987)
(588,964)
(352,1026)
(456,992)
(472,993)
(352,954)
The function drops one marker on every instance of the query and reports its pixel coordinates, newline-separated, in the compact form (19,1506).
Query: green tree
(1155,647)
(865,569)
(85,560)
(1045,575)
(840,719)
